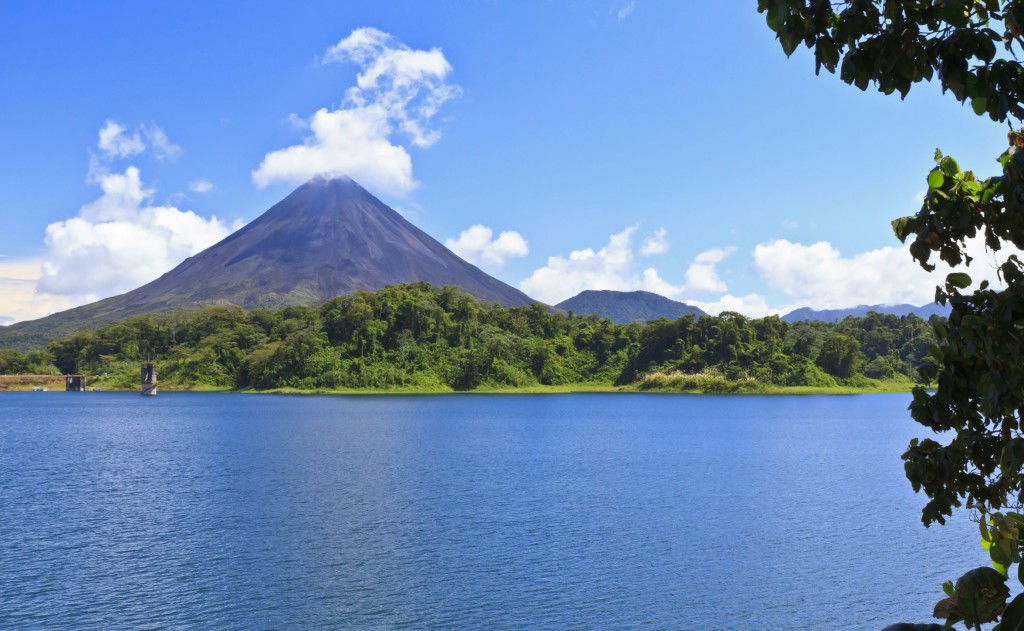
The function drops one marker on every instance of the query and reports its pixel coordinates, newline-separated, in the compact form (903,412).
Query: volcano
(328,237)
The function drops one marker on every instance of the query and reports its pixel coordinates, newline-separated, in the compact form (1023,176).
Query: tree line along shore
(419,338)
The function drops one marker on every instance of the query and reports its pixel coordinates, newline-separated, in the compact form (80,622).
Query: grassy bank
(25,383)
(878,387)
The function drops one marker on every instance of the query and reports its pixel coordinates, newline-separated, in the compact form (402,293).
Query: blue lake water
(581,511)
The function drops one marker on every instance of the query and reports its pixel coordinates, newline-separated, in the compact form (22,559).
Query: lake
(582,511)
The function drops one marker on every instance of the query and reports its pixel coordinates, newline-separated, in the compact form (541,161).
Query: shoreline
(25,383)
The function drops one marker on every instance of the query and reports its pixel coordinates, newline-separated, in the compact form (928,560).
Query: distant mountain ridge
(328,237)
(834,315)
(624,307)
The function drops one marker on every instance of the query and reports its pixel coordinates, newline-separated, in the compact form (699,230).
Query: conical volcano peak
(324,193)
(339,183)
(329,237)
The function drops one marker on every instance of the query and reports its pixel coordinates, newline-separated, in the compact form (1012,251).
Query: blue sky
(612,144)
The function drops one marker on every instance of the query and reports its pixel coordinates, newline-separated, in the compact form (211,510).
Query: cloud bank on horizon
(398,92)
(115,243)
(816,276)
(121,241)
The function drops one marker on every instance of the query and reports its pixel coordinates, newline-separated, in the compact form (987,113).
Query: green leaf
(1000,557)
(959,280)
(949,167)
(776,17)
(789,40)
(935,178)
(979,595)
(904,227)
(827,53)
(1013,615)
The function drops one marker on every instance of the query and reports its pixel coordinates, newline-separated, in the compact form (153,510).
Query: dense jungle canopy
(421,337)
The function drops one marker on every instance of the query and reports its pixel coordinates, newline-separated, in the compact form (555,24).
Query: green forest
(421,338)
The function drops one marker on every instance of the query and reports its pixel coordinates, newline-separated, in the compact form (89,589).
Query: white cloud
(476,245)
(657,243)
(200,186)
(750,305)
(398,91)
(816,276)
(115,141)
(115,243)
(351,142)
(625,11)
(120,241)
(702,275)
(160,144)
(614,267)
(122,195)
(19,299)
(820,277)
(611,267)
(653,282)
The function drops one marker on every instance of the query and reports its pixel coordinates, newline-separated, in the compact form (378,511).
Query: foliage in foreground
(972,47)
(421,337)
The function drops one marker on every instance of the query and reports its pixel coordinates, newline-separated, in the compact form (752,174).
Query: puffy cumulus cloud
(123,193)
(351,142)
(751,305)
(819,276)
(477,245)
(200,186)
(115,141)
(398,91)
(19,299)
(702,275)
(611,267)
(657,243)
(653,282)
(120,241)
(409,83)
(614,267)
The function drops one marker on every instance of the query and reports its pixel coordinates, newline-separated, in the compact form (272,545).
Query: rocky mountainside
(624,307)
(328,237)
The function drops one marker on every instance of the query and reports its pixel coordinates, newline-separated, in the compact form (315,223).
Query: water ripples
(463,512)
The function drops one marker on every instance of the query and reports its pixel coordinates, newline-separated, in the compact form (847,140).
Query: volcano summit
(328,237)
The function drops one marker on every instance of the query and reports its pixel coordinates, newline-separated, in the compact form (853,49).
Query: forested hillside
(421,337)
